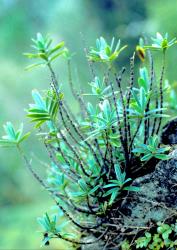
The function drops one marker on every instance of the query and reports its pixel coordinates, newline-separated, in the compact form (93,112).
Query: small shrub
(94,158)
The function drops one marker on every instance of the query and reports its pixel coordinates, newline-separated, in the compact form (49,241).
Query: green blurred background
(21,198)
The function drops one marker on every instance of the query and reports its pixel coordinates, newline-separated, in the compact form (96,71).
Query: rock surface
(169,132)
(157,198)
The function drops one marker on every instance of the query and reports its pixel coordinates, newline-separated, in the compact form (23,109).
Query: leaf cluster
(160,239)
(161,42)
(45,51)
(13,137)
(152,149)
(105,52)
(115,187)
(43,109)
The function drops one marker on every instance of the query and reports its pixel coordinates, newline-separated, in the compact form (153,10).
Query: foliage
(116,186)
(51,228)
(159,239)
(162,43)
(105,52)
(44,51)
(94,156)
(143,241)
(44,109)
(152,150)
(12,137)
(99,90)
(164,237)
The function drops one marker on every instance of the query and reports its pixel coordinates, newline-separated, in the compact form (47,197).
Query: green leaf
(132,188)
(143,241)
(147,157)
(44,109)
(111,185)
(162,156)
(125,245)
(145,78)
(7,143)
(24,137)
(113,196)
(93,190)
(136,97)
(30,55)
(142,98)
(138,150)
(57,47)
(118,172)
(83,185)
(34,65)
(110,191)
(56,55)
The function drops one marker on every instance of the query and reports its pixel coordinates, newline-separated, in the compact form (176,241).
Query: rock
(169,132)
(157,198)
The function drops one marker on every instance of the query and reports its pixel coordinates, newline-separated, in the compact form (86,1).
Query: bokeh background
(22,200)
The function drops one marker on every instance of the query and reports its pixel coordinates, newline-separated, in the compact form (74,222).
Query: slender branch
(155,119)
(161,93)
(82,242)
(68,163)
(74,92)
(76,223)
(66,126)
(147,121)
(86,54)
(28,164)
(125,118)
(73,125)
(53,76)
(74,152)
(82,209)
(106,75)
(154,129)
(119,128)
(132,59)
(132,62)
(82,138)
(135,134)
